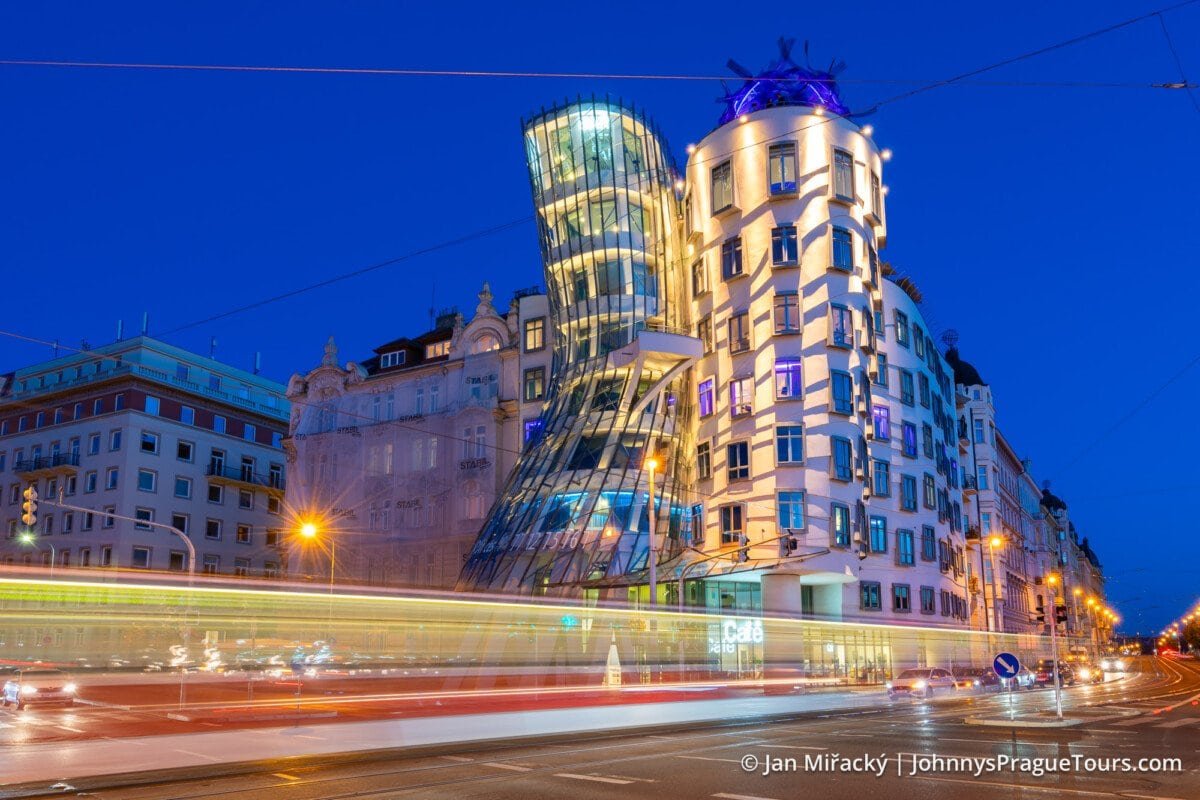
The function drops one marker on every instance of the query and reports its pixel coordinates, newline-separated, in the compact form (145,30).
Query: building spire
(331,354)
(485,306)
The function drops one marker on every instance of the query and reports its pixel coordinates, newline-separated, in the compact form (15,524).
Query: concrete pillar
(827,600)
(781,594)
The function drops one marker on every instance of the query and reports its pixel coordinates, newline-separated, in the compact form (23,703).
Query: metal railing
(244,475)
(47,462)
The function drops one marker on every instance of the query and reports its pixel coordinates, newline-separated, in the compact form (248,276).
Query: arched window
(485,343)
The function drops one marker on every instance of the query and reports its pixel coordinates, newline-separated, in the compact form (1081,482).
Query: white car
(920,682)
(33,686)
(1113,664)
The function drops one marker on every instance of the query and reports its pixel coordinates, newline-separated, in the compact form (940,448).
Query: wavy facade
(575,511)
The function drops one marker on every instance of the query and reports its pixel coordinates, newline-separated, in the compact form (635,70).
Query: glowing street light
(28,538)
(995,542)
(311,531)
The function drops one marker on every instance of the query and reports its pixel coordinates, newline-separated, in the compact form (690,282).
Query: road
(1153,713)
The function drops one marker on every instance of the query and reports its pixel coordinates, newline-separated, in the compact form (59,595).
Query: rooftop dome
(964,373)
(784,83)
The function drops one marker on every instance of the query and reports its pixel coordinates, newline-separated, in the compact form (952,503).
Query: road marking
(1013,741)
(794,746)
(1176,723)
(513,767)
(69,728)
(707,758)
(741,796)
(595,778)
(198,755)
(456,758)
(1017,786)
(306,736)
(285,776)
(1138,721)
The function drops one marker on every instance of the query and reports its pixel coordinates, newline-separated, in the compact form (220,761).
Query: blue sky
(1051,226)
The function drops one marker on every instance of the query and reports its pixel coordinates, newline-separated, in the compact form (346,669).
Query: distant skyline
(1048,225)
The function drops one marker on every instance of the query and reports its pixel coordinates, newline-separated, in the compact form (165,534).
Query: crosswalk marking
(513,767)
(1136,721)
(596,778)
(1177,723)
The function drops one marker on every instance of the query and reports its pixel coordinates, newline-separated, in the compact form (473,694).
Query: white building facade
(142,429)
(397,459)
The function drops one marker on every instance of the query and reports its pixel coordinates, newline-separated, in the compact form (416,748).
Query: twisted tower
(575,510)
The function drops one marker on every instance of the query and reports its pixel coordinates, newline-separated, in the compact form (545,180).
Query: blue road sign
(1006,665)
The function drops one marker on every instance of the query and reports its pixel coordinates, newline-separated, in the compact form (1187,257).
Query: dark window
(784,246)
(843,392)
(731,257)
(843,249)
(781,174)
(870,596)
(901,601)
(843,175)
(843,469)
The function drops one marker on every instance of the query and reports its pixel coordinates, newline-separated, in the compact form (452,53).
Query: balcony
(47,466)
(968,486)
(244,478)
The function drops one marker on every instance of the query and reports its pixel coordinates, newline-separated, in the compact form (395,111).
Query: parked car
(38,686)
(1044,673)
(920,682)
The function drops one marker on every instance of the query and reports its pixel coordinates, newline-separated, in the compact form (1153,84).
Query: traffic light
(1060,613)
(1041,614)
(743,553)
(29,507)
(788,545)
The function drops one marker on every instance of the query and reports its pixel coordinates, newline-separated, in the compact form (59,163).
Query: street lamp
(651,465)
(1053,581)
(310,531)
(28,538)
(993,543)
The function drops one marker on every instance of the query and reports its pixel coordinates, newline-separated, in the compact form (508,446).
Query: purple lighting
(784,83)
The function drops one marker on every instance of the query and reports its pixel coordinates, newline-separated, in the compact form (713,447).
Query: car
(976,678)
(1024,679)
(1088,673)
(1044,673)
(38,686)
(1113,664)
(921,682)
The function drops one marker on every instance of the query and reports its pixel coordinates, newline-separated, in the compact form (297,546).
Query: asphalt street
(1151,714)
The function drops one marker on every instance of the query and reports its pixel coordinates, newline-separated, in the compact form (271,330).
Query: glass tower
(575,512)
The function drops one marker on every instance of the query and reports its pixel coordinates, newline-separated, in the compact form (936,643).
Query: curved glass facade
(575,510)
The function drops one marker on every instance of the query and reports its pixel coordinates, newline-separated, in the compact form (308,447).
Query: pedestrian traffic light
(29,507)
(743,554)
(1041,614)
(1060,613)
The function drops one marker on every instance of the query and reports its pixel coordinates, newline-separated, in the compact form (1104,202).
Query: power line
(532,74)
(1188,87)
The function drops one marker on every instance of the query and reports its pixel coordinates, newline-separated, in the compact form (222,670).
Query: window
(216,493)
(245,499)
(843,176)
(242,534)
(881,478)
(218,424)
(927,440)
(904,548)
(212,529)
(923,388)
(881,417)
(707,399)
(274,505)
(918,342)
(878,530)
(89,482)
(909,439)
(843,459)
(843,250)
(927,602)
(928,543)
(930,491)
(839,525)
(109,519)
(737,461)
(869,596)
(785,249)
(881,370)
(978,426)
(93,444)
(249,432)
(140,558)
(535,384)
(741,397)
(185,451)
(535,334)
(114,440)
(149,442)
(111,477)
(77,411)
(153,405)
(781,169)
(908,493)
(731,258)
(843,392)
(791,511)
(722,187)
(392,359)
(147,480)
(704,332)
(787,313)
(180,522)
(241,567)
(983,477)
(900,597)
(841,326)
(699,278)
(739,333)
(906,387)
(789,444)
(438,349)
(733,523)
(902,331)
(211,564)
(145,515)
(704,460)
(187,415)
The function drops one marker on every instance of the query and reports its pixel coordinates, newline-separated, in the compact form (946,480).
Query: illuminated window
(839,525)
(722,187)
(707,397)
(781,170)
(437,349)
(881,417)
(843,176)
(535,384)
(904,548)
(535,334)
(741,397)
(788,381)
(878,530)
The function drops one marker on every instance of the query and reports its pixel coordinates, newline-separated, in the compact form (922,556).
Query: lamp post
(651,464)
(28,538)
(993,543)
(309,531)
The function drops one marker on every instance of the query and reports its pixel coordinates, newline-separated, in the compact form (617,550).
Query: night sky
(1051,226)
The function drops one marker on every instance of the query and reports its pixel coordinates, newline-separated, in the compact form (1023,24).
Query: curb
(244,718)
(1066,722)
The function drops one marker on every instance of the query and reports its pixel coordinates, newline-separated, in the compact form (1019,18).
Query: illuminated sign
(734,632)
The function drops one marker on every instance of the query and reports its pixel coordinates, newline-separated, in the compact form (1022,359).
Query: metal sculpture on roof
(784,83)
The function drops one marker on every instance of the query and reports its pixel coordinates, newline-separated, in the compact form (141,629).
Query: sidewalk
(47,764)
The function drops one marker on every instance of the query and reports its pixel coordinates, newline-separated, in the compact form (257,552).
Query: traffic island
(1048,719)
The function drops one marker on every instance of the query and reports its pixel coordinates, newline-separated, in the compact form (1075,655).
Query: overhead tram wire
(1187,86)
